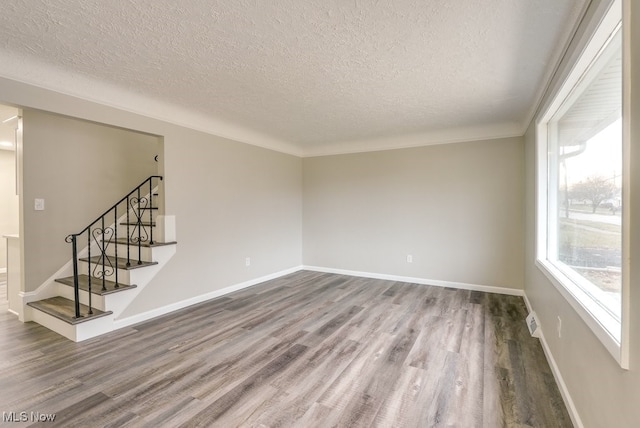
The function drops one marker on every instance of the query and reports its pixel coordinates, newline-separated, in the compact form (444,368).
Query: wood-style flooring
(306,350)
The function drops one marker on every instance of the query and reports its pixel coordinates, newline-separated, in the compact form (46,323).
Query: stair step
(120,263)
(124,241)
(142,223)
(64,309)
(96,285)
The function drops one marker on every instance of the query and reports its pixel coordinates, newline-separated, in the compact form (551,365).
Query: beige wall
(456,208)
(80,169)
(8,201)
(604,394)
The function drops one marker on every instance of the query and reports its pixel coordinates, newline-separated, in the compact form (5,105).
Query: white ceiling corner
(299,76)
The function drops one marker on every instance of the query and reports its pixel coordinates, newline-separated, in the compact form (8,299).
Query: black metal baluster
(128,235)
(76,286)
(104,257)
(151,210)
(115,236)
(89,266)
(139,230)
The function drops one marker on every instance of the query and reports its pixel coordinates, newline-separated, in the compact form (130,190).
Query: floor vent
(532,323)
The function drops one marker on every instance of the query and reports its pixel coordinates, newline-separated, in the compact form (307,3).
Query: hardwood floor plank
(232,398)
(441,410)
(123,420)
(348,387)
(43,395)
(433,338)
(179,412)
(67,415)
(225,374)
(398,407)
(494,402)
(316,416)
(302,385)
(469,385)
(316,337)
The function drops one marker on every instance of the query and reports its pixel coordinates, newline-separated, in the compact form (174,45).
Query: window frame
(598,319)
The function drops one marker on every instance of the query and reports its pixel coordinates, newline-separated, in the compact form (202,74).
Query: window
(580,178)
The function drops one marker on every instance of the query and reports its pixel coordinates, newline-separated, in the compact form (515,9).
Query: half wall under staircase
(113,259)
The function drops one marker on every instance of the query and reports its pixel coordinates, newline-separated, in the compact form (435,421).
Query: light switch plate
(38,205)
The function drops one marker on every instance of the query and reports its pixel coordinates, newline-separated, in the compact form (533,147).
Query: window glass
(584,230)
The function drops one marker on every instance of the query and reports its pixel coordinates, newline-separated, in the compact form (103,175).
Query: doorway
(9,200)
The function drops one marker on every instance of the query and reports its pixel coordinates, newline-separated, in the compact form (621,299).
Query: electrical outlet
(247,261)
(409,258)
(38,204)
(559,327)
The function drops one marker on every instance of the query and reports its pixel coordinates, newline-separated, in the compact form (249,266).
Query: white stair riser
(124,276)
(108,302)
(133,231)
(146,216)
(146,253)
(97,301)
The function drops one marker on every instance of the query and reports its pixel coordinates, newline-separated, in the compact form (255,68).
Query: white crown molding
(444,136)
(32,72)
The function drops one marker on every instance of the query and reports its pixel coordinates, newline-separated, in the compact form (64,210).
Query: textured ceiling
(316,76)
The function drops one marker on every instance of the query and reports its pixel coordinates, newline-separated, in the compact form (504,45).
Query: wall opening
(9,203)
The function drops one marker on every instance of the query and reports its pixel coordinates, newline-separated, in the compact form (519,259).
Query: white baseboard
(568,401)
(434,282)
(145,316)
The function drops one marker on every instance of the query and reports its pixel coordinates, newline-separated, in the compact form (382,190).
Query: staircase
(122,251)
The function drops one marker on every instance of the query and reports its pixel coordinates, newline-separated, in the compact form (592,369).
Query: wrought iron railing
(101,234)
